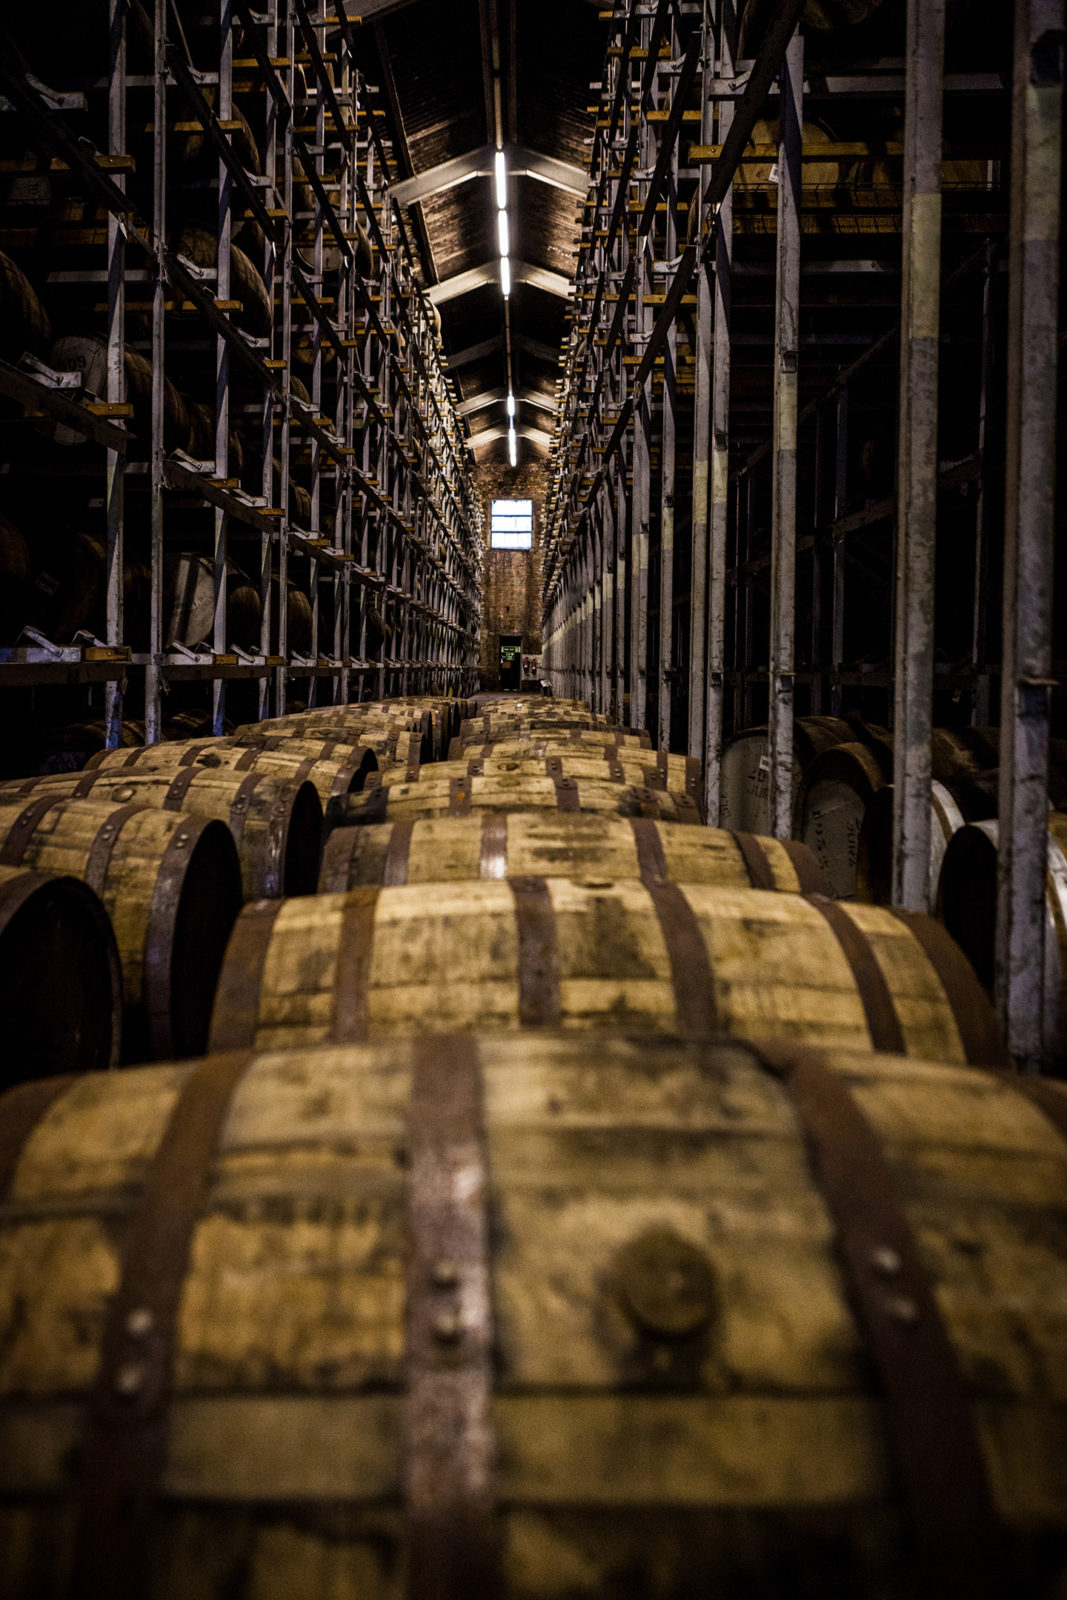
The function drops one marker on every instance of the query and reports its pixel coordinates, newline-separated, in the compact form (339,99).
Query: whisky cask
(536,844)
(425,797)
(24,324)
(341,722)
(60,980)
(967,904)
(746,763)
(493,726)
(534,741)
(838,787)
(595,953)
(951,806)
(650,769)
(171,885)
(276,824)
(388,749)
(517,1318)
(330,776)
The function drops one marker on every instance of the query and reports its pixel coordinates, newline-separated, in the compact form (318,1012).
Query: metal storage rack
(383,531)
(716,533)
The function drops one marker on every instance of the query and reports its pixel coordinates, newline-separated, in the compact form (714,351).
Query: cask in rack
(470,1317)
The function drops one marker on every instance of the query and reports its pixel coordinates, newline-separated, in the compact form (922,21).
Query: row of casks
(169,840)
(553,886)
(843,807)
(599,1320)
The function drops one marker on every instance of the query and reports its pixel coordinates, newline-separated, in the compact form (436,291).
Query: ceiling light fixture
(505,276)
(513,447)
(511,405)
(501,172)
(502,233)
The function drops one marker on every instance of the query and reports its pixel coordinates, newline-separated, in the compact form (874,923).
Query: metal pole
(1037,133)
(116,361)
(917,454)
(719,445)
(784,456)
(153,677)
(698,564)
(222,365)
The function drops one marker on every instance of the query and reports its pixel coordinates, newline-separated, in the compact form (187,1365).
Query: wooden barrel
(331,777)
(491,727)
(649,769)
(24,324)
(345,724)
(171,884)
(87,354)
(745,765)
(60,981)
(189,603)
(673,1370)
(951,806)
(200,246)
(298,617)
(67,749)
(596,953)
(511,791)
(194,150)
(388,749)
(536,844)
(276,824)
(967,904)
(837,789)
(535,740)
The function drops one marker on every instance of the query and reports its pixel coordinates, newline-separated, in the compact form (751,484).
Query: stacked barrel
(843,810)
(577,1200)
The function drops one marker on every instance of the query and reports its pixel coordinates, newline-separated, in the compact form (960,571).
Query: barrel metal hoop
(239,805)
(493,851)
(174,800)
(540,1005)
(979,1034)
(757,865)
(125,1445)
(651,860)
(567,794)
(956,1527)
(23,829)
(248,760)
(355,949)
(21,1110)
(397,856)
(102,848)
(235,1017)
(691,976)
(459,797)
(160,931)
(615,772)
(810,876)
(883,1024)
(449,1468)
(87,783)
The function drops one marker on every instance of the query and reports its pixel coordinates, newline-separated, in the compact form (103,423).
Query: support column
(917,455)
(1026,687)
(782,677)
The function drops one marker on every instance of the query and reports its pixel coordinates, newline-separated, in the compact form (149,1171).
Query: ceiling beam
(539,351)
(358,11)
(476,352)
(490,435)
(489,272)
(492,397)
(522,163)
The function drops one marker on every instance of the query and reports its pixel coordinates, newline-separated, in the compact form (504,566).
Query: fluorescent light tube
(505,276)
(501,168)
(502,232)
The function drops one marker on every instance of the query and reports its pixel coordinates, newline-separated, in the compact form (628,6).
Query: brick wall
(511,582)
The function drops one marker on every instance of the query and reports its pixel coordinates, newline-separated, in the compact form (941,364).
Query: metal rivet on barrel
(448,1328)
(444,1274)
(139,1322)
(902,1309)
(885,1261)
(129,1379)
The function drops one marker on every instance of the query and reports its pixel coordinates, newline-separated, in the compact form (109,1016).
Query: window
(511,525)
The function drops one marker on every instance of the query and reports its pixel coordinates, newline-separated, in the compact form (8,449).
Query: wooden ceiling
(459,80)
